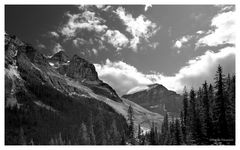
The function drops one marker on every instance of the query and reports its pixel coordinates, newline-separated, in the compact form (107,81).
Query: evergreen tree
(230,105)
(84,138)
(131,125)
(91,130)
(178,133)
(165,130)
(192,116)
(153,135)
(101,130)
(140,135)
(22,139)
(171,140)
(114,133)
(211,106)
(220,121)
(206,124)
(185,115)
(123,139)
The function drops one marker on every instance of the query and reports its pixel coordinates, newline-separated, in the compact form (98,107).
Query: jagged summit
(156,98)
(60,57)
(81,69)
(54,97)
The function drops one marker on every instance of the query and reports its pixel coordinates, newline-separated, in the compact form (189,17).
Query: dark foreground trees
(208,115)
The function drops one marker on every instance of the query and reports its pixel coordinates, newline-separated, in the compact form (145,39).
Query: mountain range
(56,98)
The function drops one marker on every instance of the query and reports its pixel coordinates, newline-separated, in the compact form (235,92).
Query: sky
(132,46)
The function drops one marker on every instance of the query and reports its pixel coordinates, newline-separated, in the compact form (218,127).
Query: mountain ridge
(34,84)
(156,98)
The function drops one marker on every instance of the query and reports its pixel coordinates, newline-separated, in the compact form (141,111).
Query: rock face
(81,69)
(157,98)
(50,99)
(59,57)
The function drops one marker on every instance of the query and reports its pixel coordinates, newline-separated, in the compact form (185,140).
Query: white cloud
(95,52)
(121,76)
(140,27)
(100,6)
(79,41)
(147,6)
(57,48)
(85,20)
(200,32)
(124,77)
(154,45)
(116,38)
(179,43)
(224,32)
(137,89)
(54,34)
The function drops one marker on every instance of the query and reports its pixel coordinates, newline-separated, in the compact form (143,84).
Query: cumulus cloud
(224,25)
(116,38)
(85,20)
(140,27)
(200,32)
(147,6)
(54,34)
(124,77)
(179,43)
(95,52)
(57,48)
(154,45)
(121,76)
(79,41)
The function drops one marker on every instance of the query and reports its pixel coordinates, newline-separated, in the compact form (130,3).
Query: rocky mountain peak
(157,86)
(157,98)
(60,57)
(81,69)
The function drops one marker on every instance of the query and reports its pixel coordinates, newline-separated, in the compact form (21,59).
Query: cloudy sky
(134,45)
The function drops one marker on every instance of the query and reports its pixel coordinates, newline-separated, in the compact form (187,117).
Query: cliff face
(157,98)
(53,99)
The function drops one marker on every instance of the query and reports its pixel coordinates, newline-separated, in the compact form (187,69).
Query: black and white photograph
(119,74)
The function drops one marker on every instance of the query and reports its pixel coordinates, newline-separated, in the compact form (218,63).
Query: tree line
(207,117)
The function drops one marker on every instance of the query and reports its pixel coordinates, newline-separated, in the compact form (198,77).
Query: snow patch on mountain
(138,89)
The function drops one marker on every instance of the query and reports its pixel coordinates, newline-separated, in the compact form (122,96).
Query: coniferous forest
(207,117)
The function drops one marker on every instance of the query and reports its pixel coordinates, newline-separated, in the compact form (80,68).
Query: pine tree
(139,137)
(211,107)
(91,130)
(230,105)
(171,133)
(185,115)
(22,139)
(131,125)
(114,133)
(220,121)
(165,130)
(178,133)
(192,116)
(101,135)
(123,139)
(84,138)
(153,135)
(206,123)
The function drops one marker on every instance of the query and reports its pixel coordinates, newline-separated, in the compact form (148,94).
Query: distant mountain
(156,98)
(60,100)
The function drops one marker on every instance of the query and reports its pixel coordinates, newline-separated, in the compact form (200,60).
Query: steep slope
(59,100)
(157,98)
